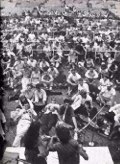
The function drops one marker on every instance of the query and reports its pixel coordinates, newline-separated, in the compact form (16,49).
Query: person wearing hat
(72,80)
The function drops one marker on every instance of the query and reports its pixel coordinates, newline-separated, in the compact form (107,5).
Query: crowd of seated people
(43,50)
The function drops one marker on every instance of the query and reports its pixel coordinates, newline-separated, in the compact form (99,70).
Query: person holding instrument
(68,149)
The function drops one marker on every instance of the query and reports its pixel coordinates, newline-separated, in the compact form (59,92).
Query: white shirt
(83,87)
(88,98)
(51,108)
(73,78)
(109,93)
(104,84)
(32,63)
(93,75)
(115,109)
(31,36)
(77,101)
(25,81)
(40,95)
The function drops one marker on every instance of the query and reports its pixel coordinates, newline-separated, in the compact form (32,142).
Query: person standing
(68,149)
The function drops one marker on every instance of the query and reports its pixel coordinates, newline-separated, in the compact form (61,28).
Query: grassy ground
(10,106)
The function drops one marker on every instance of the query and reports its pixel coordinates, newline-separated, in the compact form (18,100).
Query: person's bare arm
(83,153)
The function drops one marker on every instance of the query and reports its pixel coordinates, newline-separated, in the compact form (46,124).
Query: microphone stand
(92,142)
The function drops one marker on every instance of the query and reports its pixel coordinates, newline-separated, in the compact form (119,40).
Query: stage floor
(97,155)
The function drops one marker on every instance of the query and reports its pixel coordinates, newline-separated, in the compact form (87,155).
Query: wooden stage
(97,155)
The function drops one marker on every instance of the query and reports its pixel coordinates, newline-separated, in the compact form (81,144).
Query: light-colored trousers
(22,127)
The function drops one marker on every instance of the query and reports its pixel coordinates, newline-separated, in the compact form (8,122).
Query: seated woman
(35,76)
(35,148)
(47,80)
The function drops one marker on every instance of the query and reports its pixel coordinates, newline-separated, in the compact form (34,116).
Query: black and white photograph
(60,82)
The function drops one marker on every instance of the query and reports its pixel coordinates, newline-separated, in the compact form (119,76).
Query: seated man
(91,74)
(29,92)
(115,134)
(43,65)
(56,60)
(25,81)
(50,116)
(79,99)
(107,95)
(47,80)
(72,80)
(53,71)
(40,98)
(32,62)
(104,82)
(113,113)
(82,85)
(35,76)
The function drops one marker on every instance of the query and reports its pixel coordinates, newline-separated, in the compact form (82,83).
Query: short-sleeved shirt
(67,153)
(74,78)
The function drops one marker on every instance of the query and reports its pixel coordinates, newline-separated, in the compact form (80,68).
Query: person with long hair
(35,147)
(67,148)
